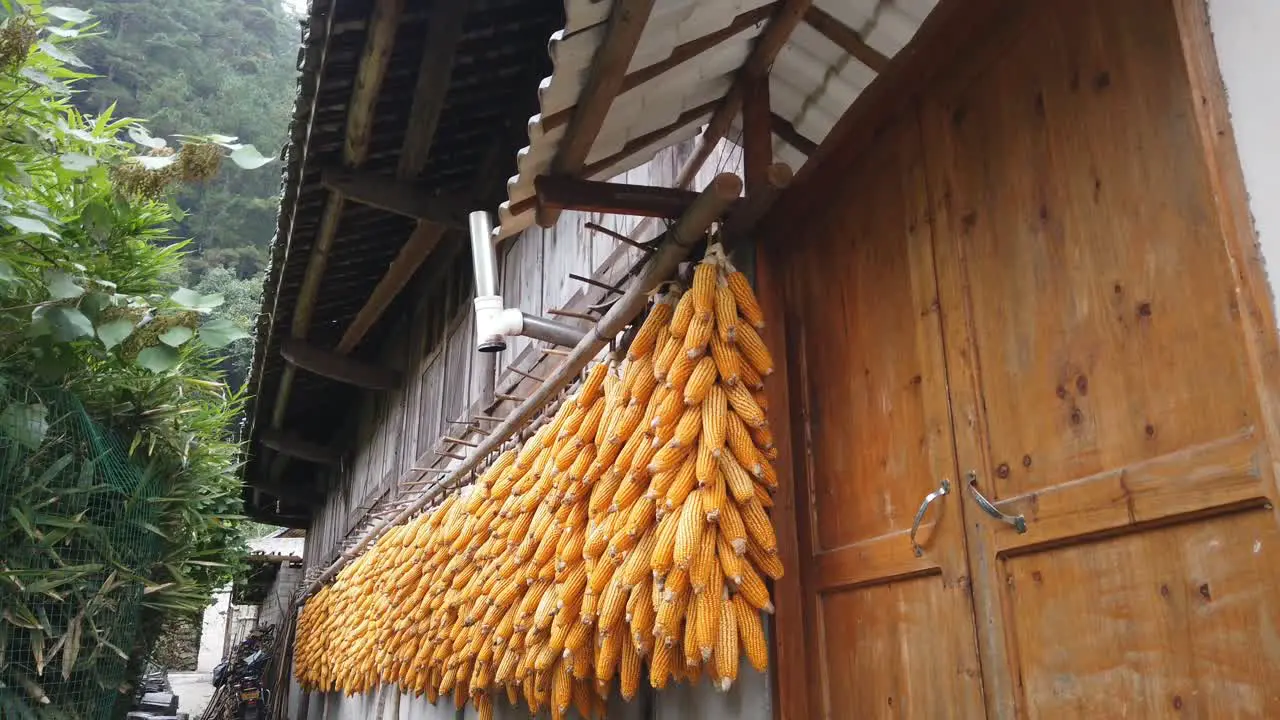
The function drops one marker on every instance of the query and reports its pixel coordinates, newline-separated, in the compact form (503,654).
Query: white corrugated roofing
(812,82)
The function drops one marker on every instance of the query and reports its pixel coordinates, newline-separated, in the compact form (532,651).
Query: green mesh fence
(76,526)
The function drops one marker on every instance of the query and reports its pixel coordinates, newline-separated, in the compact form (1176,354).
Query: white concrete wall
(213,630)
(1246,34)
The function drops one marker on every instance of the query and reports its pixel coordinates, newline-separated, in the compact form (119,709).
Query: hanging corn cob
(630,529)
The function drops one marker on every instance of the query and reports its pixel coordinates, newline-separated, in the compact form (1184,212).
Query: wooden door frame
(1226,180)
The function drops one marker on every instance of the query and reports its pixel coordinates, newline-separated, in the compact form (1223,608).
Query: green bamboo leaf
(71,652)
(24,522)
(68,14)
(37,649)
(249,158)
(18,614)
(55,468)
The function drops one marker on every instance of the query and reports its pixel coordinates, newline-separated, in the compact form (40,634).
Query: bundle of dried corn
(631,527)
(705,469)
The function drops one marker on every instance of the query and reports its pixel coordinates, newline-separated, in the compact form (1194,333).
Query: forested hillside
(205,66)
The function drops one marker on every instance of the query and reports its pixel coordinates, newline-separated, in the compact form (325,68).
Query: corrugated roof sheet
(812,82)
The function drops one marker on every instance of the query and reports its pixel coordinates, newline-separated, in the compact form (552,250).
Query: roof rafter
(608,71)
(846,38)
(789,14)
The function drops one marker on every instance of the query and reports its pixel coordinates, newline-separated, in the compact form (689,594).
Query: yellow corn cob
(659,317)
(726,311)
(745,298)
(728,558)
(759,529)
(766,562)
(706,463)
(704,560)
(562,687)
(727,360)
(671,349)
(742,403)
(739,483)
(662,559)
(714,497)
(670,612)
(704,284)
(738,437)
(762,496)
(691,522)
(640,517)
(630,680)
(761,399)
(733,527)
(679,373)
(753,590)
(642,389)
(687,428)
(592,385)
(707,623)
(753,350)
(613,605)
(683,314)
(699,335)
(751,633)
(749,376)
(656,401)
(726,648)
(628,454)
(642,617)
(627,424)
(692,622)
(608,655)
(629,491)
(660,668)
(700,381)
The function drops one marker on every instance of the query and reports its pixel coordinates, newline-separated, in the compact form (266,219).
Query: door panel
(1100,380)
(889,633)
(1177,633)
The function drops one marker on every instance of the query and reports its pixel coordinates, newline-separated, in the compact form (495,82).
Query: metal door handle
(1018,522)
(943,489)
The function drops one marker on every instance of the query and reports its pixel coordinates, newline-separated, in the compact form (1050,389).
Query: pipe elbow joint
(494,323)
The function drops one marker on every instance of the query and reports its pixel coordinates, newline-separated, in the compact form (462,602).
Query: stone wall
(179,643)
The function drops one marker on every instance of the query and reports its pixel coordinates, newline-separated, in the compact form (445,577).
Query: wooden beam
(337,366)
(757,135)
(444,30)
(562,193)
(397,196)
(380,39)
(425,238)
(767,47)
(788,132)
(680,55)
(291,445)
(637,144)
(608,69)
(846,38)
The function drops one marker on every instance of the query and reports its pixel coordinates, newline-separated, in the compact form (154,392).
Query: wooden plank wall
(433,343)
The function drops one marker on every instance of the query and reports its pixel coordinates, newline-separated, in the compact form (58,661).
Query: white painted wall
(213,630)
(1246,34)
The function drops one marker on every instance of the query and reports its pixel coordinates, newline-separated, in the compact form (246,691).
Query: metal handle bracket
(944,488)
(1018,522)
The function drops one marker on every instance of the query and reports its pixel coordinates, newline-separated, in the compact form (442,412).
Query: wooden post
(757,136)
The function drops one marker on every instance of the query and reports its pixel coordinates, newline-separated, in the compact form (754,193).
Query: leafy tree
(92,326)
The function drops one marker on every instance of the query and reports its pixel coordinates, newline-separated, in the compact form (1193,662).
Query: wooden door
(888,634)
(1102,378)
